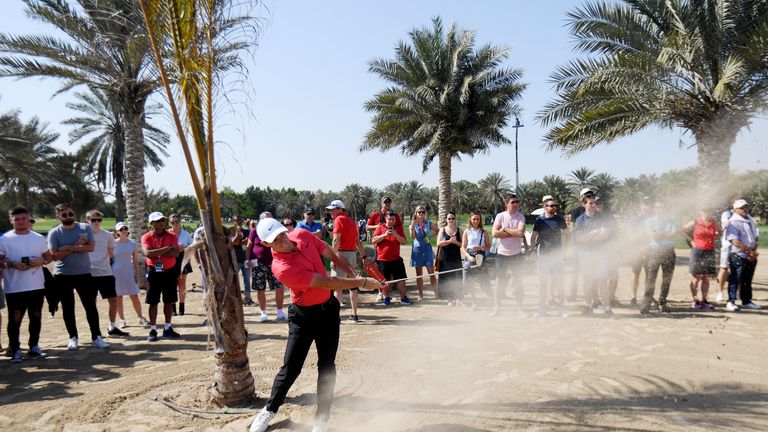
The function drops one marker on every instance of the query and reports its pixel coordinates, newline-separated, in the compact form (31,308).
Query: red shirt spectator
(389,248)
(345,225)
(704,234)
(151,241)
(295,270)
(378,218)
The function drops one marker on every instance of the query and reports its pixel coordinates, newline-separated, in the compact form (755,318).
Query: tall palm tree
(198,45)
(446,99)
(699,65)
(101,128)
(411,196)
(355,198)
(464,195)
(105,48)
(557,187)
(26,156)
(579,179)
(493,188)
(604,185)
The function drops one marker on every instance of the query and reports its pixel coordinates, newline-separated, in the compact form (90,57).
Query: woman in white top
(126,268)
(475,241)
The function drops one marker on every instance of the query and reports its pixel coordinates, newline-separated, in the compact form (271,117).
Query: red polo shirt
(389,248)
(348,228)
(151,241)
(295,270)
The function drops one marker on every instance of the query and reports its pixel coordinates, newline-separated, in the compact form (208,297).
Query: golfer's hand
(370,284)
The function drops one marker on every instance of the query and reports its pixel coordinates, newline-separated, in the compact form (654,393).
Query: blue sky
(309,80)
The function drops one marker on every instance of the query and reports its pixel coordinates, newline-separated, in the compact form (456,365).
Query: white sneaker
(100,343)
(750,305)
(719,296)
(264,317)
(281,316)
(123,324)
(540,313)
(73,345)
(563,312)
(143,321)
(261,422)
(731,307)
(320,427)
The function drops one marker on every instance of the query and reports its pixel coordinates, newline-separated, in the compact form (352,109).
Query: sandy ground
(426,367)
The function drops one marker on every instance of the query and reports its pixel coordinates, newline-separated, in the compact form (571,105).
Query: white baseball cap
(585,191)
(268,229)
(156,216)
(547,198)
(334,204)
(739,204)
(120,225)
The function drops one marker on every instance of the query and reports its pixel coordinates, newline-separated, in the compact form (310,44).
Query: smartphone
(25,260)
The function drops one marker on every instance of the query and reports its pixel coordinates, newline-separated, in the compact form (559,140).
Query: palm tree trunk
(119,201)
(444,187)
(714,155)
(233,382)
(135,197)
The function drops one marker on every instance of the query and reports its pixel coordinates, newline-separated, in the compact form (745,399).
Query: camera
(25,260)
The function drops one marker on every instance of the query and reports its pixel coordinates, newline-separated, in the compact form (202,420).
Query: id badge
(159,266)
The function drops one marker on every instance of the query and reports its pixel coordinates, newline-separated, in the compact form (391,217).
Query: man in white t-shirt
(23,252)
(509,228)
(101,268)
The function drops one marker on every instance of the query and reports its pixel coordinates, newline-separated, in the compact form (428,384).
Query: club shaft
(423,276)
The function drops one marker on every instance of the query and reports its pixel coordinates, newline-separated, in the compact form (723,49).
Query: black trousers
(67,285)
(307,324)
(27,302)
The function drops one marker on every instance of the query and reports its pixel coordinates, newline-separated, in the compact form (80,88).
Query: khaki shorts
(351,257)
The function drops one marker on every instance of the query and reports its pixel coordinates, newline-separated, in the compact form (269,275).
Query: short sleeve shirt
(743,230)
(377,218)
(76,263)
(389,248)
(656,224)
(15,246)
(258,250)
(100,256)
(550,232)
(509,245)
(151,241)
(296,270)
(311,227)
(347,227)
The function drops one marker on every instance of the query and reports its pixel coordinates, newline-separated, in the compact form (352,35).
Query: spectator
(662,231)
(23,252)
(591,237)
(387,238)
(743,236)
(571,220)
(638,242)
(239,241)
(161,247)
(126,268)
(704,231)
(289,224)
(310,224)
(259,258)
(378,217)
(509,228)
(449,242)
(101,270)
(546,240)
(725,251)
(422,255)
(475,242)
(347,244)
(70,244)
(185,241)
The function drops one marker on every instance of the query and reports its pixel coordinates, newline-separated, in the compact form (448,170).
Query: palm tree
(26,155)
(446,99)
(411,196)
(355,198)
(102,129)
(105,48)
(530,195)
(464,195)
(493,189)
(557,187)
(697,65)
(604,185)
(199,44)
(579,179)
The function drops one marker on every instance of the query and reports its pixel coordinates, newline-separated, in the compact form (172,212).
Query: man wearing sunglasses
(70,244)
(509,228)
(101,269)
(310,224)
(546,239)
(161,247)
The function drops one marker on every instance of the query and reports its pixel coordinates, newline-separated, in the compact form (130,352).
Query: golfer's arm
(332,283)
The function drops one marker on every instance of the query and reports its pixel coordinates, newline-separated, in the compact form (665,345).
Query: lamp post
(517,126)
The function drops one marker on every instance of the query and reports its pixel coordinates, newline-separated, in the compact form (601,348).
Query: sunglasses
(68,214)
(124,229)
(552,205)
(96,219)
(310,213)
(514,201)
(450,218)
(420,212)
(288,224)
(175,222)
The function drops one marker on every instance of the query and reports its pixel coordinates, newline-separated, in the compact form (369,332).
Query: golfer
(312,316)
